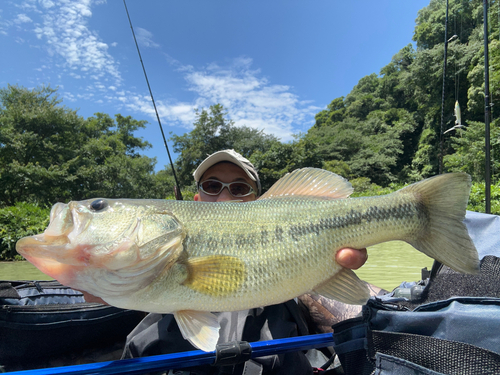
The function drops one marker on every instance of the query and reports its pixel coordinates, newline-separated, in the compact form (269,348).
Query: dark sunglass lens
(238,189)
(211,187)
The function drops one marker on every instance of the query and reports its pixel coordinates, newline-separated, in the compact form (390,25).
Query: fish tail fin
(446,238)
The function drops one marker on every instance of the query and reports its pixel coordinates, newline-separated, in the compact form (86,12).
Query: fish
(458,119)
(457,114)
(191,259)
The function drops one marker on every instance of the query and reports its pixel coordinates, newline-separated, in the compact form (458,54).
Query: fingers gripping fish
(193,258)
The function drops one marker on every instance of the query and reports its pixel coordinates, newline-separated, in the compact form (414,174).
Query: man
(228,176)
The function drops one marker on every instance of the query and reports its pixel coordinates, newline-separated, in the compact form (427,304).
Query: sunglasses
(237,189)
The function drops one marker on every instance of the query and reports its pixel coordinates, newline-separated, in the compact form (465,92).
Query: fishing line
(441,133)
(457,82)
(177,190)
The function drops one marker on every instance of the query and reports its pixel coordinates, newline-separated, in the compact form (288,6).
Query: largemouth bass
(191,258)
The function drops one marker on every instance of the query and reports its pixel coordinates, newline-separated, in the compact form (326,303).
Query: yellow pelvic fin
(215,275)
(310,183)
(200,328)
(345,287)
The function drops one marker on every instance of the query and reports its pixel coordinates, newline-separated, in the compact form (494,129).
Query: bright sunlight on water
(388,265)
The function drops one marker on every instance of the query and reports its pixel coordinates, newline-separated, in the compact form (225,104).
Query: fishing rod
(177,189)
(487,113)
(226,354)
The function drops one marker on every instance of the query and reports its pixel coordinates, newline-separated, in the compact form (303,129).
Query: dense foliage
(49,154)
(22,219)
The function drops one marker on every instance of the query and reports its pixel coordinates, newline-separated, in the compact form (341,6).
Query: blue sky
(272,63)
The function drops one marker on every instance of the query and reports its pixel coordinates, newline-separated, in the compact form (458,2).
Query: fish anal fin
(215,275)
(200,328)
(345,287)
(311,183)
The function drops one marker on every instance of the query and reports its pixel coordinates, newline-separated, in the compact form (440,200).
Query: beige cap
(232,157)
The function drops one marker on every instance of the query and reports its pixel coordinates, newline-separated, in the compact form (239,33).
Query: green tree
(469,155)
(110,164)
(466,16)
(37,145)
(214,131)
(48,153)
(282,158)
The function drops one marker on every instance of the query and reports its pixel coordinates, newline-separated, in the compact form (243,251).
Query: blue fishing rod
(227,354)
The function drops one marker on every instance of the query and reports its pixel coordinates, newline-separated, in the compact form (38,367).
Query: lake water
(388,265)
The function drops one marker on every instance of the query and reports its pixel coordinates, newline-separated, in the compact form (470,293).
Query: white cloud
(47,3)
(250,99)
(64,27)
(22,18)
(145,38)
(69,96)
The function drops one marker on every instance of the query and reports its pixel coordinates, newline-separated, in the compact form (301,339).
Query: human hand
(351,258)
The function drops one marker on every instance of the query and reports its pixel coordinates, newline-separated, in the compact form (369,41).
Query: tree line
(384,133)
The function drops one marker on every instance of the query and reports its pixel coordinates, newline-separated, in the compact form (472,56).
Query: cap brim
(218,157)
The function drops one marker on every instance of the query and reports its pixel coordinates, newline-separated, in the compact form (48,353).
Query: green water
(21,271)
(388,264)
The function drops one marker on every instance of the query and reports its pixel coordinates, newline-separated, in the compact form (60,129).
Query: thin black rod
(177,191)
(441,133)
(487,113)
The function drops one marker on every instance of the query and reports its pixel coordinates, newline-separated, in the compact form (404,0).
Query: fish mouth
(52,251)
(54,240)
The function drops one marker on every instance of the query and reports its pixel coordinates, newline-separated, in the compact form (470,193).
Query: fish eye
(99,205)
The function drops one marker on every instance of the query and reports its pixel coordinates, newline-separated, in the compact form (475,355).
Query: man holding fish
(189,259)
(227,176)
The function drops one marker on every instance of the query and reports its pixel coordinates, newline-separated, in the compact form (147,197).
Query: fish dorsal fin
(345,287)
(215,275)
(311,183)
(200,328)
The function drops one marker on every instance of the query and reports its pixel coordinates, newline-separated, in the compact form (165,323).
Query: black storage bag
(40,320)
(456,336)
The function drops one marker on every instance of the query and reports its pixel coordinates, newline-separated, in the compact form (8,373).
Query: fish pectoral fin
(200,328)
(345,287)
(215,275)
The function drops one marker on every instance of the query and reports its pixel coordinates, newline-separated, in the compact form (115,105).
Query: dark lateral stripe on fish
(373,213)
(264,237)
